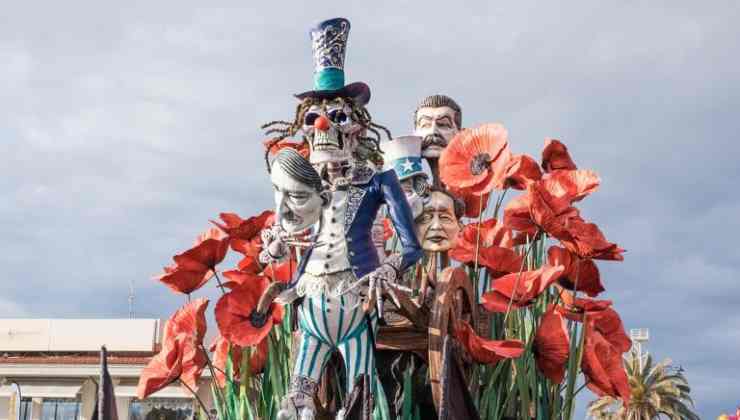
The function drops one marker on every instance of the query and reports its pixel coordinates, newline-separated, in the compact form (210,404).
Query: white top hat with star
(403,154)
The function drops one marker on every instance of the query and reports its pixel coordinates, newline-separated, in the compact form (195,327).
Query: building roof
(79,335)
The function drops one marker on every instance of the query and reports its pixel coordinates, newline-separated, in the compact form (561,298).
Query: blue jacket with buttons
(365,196)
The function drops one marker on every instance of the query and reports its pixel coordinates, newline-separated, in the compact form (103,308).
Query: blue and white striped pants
(335,324)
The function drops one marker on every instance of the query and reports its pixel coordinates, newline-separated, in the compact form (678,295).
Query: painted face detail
(415,188)
(437,227)
(330,131)
(437,127)
(298,205)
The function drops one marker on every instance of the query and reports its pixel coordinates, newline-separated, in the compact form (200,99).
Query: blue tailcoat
(365,196)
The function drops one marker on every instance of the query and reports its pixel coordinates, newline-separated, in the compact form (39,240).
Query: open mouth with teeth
(327,140)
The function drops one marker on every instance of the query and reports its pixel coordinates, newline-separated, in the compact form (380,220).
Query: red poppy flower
(583,271)
(575,185)
(388,231)
(600,313)
(220,349)
(237,318)
(474,204)
(587,241)
(521,171)
(500,261)
(492,234)
(555,156)
(521,289)
(182,280)
(537,209)
(610,325)
(182,355)
(244,234)
(275,146)
(475,159)
(209,250)
(486,351)
(281,272)
(575,308)
(602,366)
(237,278)
(551,345)
(249,264)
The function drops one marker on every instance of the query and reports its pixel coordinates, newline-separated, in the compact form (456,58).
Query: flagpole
(101,379)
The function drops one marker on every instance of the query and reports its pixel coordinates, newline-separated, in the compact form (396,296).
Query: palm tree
(656,393)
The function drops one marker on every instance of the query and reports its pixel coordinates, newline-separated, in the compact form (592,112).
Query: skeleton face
(437,126)
(331,132)
(437,227)
(298,205)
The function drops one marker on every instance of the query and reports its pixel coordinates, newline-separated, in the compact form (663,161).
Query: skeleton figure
(340,274)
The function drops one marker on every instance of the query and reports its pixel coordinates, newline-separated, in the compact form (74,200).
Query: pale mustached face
(437,227)
(330,131)
(437,127)
(298,205)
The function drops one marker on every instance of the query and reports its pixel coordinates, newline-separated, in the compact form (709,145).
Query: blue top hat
(329,44)
(403,155)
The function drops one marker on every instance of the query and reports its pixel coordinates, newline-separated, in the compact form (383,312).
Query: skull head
(331,132)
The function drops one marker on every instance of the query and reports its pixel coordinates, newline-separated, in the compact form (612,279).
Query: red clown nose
(321,123)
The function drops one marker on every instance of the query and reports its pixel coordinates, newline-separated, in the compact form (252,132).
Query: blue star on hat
(403,155)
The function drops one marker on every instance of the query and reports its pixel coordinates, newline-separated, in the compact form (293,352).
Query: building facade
(49,370)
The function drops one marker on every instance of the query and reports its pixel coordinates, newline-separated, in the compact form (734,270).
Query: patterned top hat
(403,154)
(329,44)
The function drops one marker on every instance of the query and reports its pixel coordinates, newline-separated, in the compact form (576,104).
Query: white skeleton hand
(274,248)
(379,280)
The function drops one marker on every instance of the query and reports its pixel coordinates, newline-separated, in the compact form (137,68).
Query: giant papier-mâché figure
(340,274)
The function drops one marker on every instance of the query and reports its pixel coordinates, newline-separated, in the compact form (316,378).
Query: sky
(125,127)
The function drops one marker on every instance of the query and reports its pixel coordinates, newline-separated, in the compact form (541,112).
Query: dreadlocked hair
(369,144)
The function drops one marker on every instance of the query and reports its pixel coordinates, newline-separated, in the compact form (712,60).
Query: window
(25,409)
(161,409)
(60,409)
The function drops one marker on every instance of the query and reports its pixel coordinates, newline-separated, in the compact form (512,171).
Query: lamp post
(639,336)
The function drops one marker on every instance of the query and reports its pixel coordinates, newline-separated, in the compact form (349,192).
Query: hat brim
(358,91)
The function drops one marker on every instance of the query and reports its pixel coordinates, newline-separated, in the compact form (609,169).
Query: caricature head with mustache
(299,192)
(437,119)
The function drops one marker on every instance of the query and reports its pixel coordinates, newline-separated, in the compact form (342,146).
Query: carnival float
(439,273)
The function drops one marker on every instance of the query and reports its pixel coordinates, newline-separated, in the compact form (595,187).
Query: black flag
(105,404)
